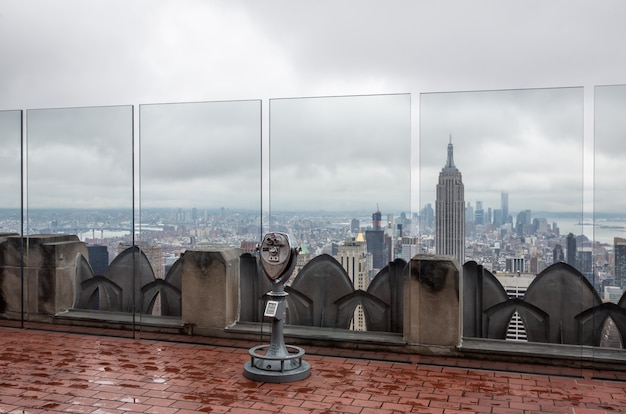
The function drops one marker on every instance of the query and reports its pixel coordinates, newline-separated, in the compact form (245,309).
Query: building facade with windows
(450,211)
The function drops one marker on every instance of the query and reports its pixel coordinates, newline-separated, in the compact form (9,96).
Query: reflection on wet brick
(56,372)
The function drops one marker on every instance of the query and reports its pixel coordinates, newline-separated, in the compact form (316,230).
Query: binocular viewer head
(278,256)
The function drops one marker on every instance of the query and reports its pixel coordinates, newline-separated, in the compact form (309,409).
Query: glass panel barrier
(340,185)
(200,191)
(501,190)
(609,235)
(10,218)
(78,213)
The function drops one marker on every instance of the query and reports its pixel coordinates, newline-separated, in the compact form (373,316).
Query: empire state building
(450,211)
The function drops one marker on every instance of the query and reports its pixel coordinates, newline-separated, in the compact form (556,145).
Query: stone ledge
(554,354)
(81,316)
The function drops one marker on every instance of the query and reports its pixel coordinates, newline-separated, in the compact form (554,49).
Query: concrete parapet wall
(210,292)
(210,289)
(431,304)
(49,271)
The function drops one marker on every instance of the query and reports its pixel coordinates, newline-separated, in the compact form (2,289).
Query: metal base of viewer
(276,369)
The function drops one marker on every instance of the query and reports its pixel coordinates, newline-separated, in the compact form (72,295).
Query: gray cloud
(75,53)
(79,157)
(71,53)
(201,154)
(528,143)
(341,153)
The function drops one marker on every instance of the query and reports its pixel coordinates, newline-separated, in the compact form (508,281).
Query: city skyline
(529,241)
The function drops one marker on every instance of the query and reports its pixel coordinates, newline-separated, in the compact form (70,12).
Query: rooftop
(47,371)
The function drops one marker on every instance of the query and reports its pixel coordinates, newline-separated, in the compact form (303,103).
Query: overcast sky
(528,143)
(341,153)
(58,54)
(201,155)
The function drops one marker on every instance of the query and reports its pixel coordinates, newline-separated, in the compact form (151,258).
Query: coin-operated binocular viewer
(277,362)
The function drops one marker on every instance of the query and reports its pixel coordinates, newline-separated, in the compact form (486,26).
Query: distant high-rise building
(584,262)
(355,226)
(450,211)
(98,258)
(479,213)
(571,250)
(540,225)
(427,216)
(376,220)
(404,220)
(355,260)
(523,225)
(504,207)
(497,218)
(534,265)
(375,240)
(388,242)
(469,213)
(180,216)
(409,248)
(619,250)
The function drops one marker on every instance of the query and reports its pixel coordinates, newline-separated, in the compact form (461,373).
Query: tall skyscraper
(504,201)
(409,248)
(469,213)
(497,218)
(619,249)
(375,240)
(479,213)
(98,258)
(450,211)
(377,218)
(427,216)
(355,226)
(523,223)
(571,249)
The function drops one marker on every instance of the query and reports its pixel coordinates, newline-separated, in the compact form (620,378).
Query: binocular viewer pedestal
(277,362)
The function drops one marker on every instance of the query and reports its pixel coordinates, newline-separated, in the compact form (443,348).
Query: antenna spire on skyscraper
(450,161)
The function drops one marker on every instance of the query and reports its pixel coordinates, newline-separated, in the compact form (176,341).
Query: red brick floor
(52,372)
